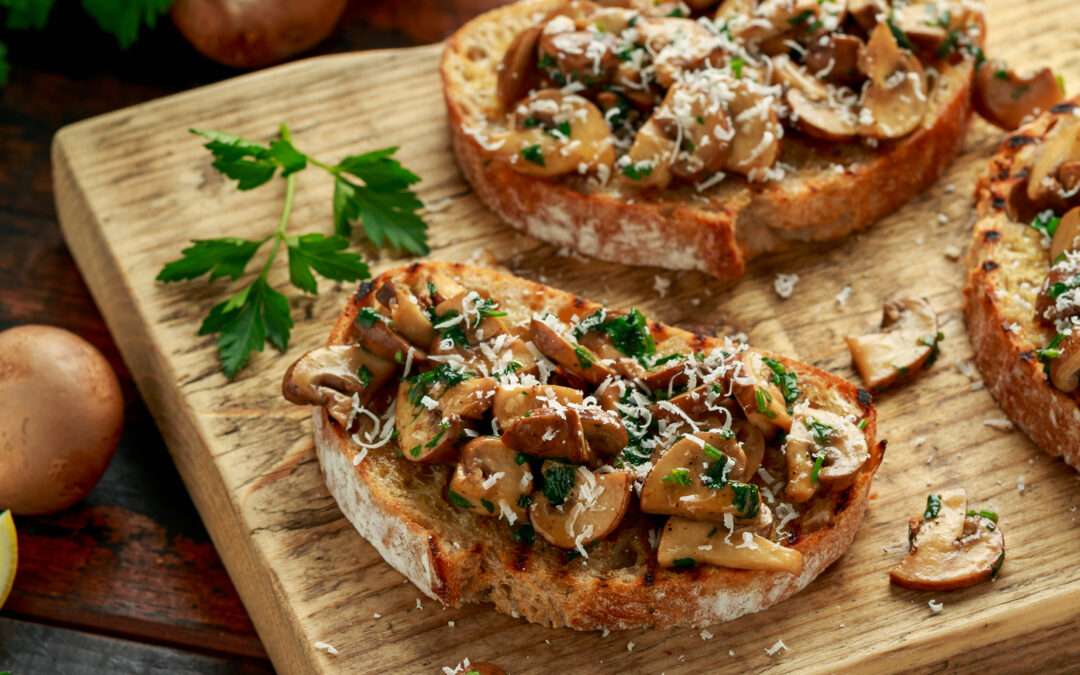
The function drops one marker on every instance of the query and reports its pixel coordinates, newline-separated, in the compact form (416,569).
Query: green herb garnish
(684,562)
(533,154)
(458,500)
(989,515)
(558,481)
(819,459)
(933,507)
(787,381)
(747,499)
(678,476)
(487,505)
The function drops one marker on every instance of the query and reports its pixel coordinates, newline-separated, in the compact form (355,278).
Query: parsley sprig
(371,188)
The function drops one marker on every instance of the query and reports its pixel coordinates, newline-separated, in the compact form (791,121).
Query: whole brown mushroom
(63,411)
(254,33)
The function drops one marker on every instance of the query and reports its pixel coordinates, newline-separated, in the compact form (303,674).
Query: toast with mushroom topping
(1021,300)
(655,134)
(499,468)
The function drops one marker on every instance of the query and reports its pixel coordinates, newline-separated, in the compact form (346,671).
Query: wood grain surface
(133,186)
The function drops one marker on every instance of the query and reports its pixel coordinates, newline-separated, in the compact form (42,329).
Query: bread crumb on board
(842,296)
(327,647)
(953,252)
(776,647)
(784,284)
(661,285)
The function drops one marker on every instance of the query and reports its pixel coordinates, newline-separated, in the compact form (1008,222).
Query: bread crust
(1004,255)
(437,557)
(720,230)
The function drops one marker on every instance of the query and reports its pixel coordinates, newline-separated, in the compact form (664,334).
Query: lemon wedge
(9,554)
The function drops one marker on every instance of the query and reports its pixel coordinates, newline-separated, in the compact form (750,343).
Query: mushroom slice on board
(513,402)
(574,358)
(684,543)
(550,432)
(491,478)
(951,547)
(909,335)
(425,434)
(1060,150)
(895,102)
(375,333)
(1067,234)
(331,376)
(701,477)
(752,382)
(576,506)
(519,74)
(554,134)
(409,319)
(1006,99)
(823,450)
(1065,369)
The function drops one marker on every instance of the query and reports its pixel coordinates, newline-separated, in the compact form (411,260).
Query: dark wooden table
(128,580)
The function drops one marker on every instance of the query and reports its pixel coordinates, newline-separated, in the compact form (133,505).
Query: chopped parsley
(585,359)
(520,459)
(438,437)
(1062,287)
(736,68)
(801,18)
(822,433)
(630,333)
(558,481)
(933,341)
(546,61)
(368,316)
(989,515)
(1001,74)
(764,398)
(530,122)
(364,375)
(524,501)
(533,154)
(933,507)
(679,477)
(561,131)
(715,477)
(635,455)
(636,172)
(1020,91)
(997,565)
(487,505)
(442,373)
(1046,222)
(901,38)
(747,499)
(862,424)
(458,500)
(819,459)
(684,562)
(788,382)
(415,452)
(524,534)
(1051,351)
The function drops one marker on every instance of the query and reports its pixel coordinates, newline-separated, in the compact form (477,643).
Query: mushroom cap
(950,550)
(836,58)
(696,120)
(822,118)
(906,341)
(699,477)
(378,337)
(550,432)
(1067,234)
(409,319)
(490,472)
(1065,369)
(756,144)
(513,402)
(519,73)
(330,376)
(841,445)
(761,399)
(703,542)
(648,162)
(594,507)
(896,98)
(426,435)
(1060,146)
(1006,99)
(574,358)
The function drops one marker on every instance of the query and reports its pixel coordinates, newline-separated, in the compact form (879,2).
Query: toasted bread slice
(456,556)
(829,189)
(1006,266)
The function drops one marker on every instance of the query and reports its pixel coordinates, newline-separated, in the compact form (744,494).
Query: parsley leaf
(325,255)
(27,14)
(384,203)
(933,507)
(249,163)
(788,382)
(678,476)
(246,321)
(558,481)
(124,18)
(5,67)
(227,256)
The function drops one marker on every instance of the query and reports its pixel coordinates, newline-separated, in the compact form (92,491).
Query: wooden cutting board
(133,186)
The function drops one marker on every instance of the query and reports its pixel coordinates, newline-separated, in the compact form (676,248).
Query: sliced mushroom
(436,287)
(684,543)
(376,335)
(591,508)
(756,145)
(1065,369)
(949,548)
(518,74)
(648,163)
(772,18)
(922,25)
(670,374)
(550,432)
(867,12)
(585,56)
(822,118)
(701,476)
(1007,99)
(491,479)
(408,318)
(331,376)
(909,335)
(793,76)
(823,450)
(1067,234)
(425,434)
(471,398)
(1060,147)
(696,121)
(835,58)
(464,312)
(753,385)
(513,402)
(576,135)
(702,405)
(575,359)
(679,46)
(604,431)
(895,102)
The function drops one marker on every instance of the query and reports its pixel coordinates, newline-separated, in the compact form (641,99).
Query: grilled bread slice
(1017,345)
(816,188)
(457,551)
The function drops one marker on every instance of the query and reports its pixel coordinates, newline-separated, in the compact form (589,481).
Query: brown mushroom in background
(1006,99)
(62,413)
(951,547)
(577,506)
(909,335)
(684,543)
(254,33)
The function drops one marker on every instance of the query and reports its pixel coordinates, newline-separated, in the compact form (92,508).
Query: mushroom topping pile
(554,424)
(655,93)
(908,342)
(950,546)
